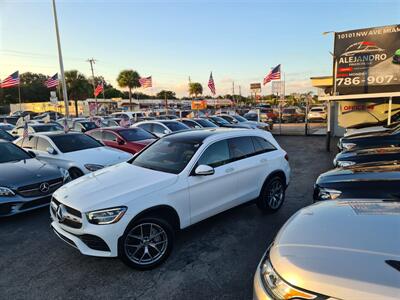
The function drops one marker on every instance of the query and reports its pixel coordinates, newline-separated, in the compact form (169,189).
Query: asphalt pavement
(214,259)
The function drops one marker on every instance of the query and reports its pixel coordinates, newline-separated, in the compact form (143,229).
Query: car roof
(203,134)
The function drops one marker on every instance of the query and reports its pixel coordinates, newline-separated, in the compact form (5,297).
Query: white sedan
(76,152)
(161,127)
(132,210)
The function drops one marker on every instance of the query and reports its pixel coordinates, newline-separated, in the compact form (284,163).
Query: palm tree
(129,79)
(77,86)
(195,88)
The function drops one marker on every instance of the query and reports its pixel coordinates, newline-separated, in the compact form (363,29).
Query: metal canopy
(359,96)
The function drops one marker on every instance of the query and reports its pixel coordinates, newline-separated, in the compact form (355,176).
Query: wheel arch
(279,173)
(166,212)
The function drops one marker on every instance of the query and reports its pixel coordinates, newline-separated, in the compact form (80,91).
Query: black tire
(75,173)
(272,195)
(132,245)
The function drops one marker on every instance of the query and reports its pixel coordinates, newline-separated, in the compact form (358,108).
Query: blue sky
(171,40)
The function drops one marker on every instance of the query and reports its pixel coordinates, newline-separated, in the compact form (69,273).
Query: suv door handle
(229,170)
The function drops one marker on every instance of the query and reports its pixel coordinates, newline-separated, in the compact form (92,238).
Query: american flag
(98,89)
(146,82)
(11,80)
(25,133)
(52,81)
(275,74)
(211,84)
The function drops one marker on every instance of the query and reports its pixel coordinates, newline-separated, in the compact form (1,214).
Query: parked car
(111,122)
(83,126)
(7,127)
(236,119)
(265,114)
(25,182)
(133,116)
(36,127)
(161,127)
(132,210)
(204,123)
(4,135)
(167,117)
(220,122)
(23,113)
(334,250)
(191,123)
(76,152)
(292,115)
(390,138)
(370,129)
(377,180)
(52,114)
(348,158)
(317,113)
(9,120)
(70,121)
(131,140)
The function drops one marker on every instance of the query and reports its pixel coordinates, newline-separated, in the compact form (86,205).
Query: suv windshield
(74,142)
(45,128)
(4,135)
(175,126)
(205,123)
(167,155)
(135,134)
(219,120)
(10,152)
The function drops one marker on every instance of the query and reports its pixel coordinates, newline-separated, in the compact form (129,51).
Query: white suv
(132,210)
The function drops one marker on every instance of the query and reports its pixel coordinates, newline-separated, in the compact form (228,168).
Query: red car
(131,140)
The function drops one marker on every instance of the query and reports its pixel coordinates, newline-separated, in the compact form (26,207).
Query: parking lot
(214,259)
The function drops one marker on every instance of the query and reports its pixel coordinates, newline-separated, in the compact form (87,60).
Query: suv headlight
(6,192)
(348,146)
(328,194)
(106,216)
(345,163)
(93,167)
(277,287)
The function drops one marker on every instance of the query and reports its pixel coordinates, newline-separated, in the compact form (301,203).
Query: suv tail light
(287,157)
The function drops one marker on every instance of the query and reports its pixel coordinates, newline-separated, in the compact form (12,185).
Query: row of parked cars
(346,245)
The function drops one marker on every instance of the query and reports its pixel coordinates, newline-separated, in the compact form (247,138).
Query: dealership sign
(255,87)
(368,60)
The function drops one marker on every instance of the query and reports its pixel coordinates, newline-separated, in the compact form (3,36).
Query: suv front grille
(66,215)
(35,190)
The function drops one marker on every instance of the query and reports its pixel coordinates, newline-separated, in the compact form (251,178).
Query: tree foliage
(129,79)
(166,95)
(195,88)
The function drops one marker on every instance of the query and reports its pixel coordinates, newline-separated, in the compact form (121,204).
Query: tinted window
(89,125)
(98,135)
(240,118)
(6,127)
(215,155)
(29,142)
(109,136)
(42,144)
(145,127)
(45,128)
(189,123)
(175,126)
(261,145)
(205,123)
(135,134)
(317,109)
(158,129)
(74,142)
(10,152)
(167,155)
(241,147)
(219,120)
(5,136)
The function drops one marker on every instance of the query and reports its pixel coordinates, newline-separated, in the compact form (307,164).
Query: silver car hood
(341,249)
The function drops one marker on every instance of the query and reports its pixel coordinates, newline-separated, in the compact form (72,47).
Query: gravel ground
(214,259)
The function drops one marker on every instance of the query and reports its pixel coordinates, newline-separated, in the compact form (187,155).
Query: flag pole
(64,84)
(19,93)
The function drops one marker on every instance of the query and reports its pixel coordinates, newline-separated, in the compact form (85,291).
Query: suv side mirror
(120,141)
(51,150)
(204,170)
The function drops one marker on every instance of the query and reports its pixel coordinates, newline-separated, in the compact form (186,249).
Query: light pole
(328,121)
(63,83)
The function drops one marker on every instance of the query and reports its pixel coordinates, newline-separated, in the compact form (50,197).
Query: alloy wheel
(146,243)
(275,194)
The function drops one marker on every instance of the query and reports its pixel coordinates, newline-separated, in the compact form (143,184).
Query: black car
(379,180)
(220,122)
(4,135)
(348,158)
(388,138)
(25,182)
